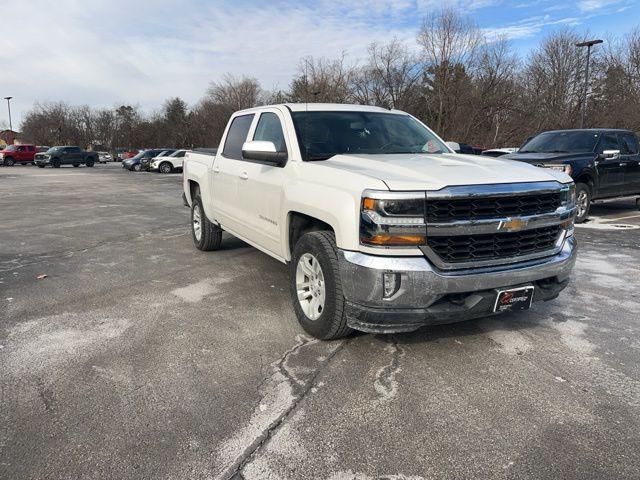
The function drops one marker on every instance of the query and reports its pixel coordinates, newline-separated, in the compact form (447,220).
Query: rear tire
(314,275)
(206,235)
(76,165)
(583,202)
(40,166)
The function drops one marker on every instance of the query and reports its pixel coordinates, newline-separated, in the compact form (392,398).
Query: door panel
(630,156)
(225,176)
(611,171)
(260,187)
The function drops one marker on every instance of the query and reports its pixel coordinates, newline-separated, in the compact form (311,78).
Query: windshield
(10,148)
(54,149)
(324,134)
(562,142)
(139,155)
(176,153)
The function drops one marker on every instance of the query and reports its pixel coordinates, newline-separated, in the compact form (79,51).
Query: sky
(105,53)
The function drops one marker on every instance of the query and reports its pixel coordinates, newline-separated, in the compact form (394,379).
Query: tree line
(464,84)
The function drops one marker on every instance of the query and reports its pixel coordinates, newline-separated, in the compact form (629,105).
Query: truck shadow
(510,322)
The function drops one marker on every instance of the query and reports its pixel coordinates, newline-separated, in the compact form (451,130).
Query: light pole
(8,99)
(588,44)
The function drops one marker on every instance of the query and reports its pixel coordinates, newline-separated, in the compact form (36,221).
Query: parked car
(384,227)
(168,163)
(498,152)
(135,163)
(131,153)
(145,161)
(604,163)
(21,154)
(104,157)
(460,147)
(65,155)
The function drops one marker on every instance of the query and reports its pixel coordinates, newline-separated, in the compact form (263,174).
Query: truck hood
(434,172)
(536,158)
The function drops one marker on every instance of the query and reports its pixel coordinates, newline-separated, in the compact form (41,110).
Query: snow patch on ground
(510,342)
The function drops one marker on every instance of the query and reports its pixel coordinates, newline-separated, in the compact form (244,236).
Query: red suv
(13,154)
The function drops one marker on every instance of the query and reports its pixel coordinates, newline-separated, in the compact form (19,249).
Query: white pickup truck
(383,226)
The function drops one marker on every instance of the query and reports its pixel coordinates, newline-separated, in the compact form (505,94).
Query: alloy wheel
(310,286)
(197,222)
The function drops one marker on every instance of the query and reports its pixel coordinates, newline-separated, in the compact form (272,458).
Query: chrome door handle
(216,169)
(622,164)
(244,176)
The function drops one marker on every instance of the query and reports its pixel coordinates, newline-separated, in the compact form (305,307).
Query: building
(8,136)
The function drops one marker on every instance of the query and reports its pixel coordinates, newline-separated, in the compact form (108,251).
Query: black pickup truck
(604,163)
(66,155)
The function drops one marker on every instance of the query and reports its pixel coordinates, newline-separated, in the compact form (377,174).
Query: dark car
(604,163)
(65,155)
(136,163)
(145,162)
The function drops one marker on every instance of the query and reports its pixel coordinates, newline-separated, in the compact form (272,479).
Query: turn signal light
(395,240)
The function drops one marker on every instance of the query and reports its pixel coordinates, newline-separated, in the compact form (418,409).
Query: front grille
(447,210)
(495,246)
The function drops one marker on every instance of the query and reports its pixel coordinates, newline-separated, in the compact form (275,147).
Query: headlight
(568,201)
(392,219)
(568,195)
(560,168)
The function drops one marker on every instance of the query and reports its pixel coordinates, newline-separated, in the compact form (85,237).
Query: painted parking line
(619,218)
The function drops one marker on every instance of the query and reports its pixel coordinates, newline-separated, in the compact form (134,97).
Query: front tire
(40,166)
(137,167)
(316,286)
(583,202)
(90,162)
(206,235)
(9,162)
(165,167)
(56,163)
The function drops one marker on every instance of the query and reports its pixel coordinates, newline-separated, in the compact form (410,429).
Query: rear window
(236,136)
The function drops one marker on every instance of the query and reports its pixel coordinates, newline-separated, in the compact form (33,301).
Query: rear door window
(236,136)
(628,144)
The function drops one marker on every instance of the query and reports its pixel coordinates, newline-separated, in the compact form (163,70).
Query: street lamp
(8,99)
(588,44)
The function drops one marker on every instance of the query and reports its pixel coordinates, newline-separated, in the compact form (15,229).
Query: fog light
(391,284)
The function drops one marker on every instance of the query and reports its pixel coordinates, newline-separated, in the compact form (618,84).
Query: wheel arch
(299,223)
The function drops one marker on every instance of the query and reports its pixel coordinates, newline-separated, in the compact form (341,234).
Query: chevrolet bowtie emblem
(512,225)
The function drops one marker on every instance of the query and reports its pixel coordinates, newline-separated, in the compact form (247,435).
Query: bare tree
(236,93)
(449,45)
(391,78)
(322,80)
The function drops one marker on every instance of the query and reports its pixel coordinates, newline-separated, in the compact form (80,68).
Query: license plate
(514,299)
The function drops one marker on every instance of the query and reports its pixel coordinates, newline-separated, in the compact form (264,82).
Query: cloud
(529,27)
(591,5)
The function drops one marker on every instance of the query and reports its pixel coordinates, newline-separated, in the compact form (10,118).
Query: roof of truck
(323,107)
(314,107)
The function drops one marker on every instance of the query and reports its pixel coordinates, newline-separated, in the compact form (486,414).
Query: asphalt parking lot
(140,357)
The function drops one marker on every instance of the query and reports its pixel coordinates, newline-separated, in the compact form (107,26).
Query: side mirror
(455,146)
(609,154)
(262,151)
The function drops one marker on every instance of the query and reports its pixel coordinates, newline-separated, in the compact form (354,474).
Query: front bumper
(428,296)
